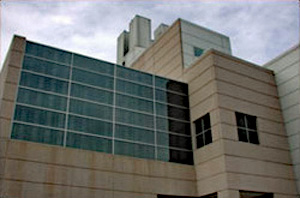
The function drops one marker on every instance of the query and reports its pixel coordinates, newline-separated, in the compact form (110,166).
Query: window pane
(174,112)
(134,103)
(48,52)
(90,126)
(32,115)
(44,83)
(41,99)
(134,89)
(166,139)
(251,122)
(135,134)
(172,125)
(206,121)
(198,51)
(167,97)
(92,79)
(240,119)
(138,119)
(242,135)
(171,85)
(90,109)
(208,137)
(134,75)
(199,126)
(37,134)
(93,94)
(134,150)
(93,64)
(253,137)
(45,67)
(200,140)
(171,155)
(89,142)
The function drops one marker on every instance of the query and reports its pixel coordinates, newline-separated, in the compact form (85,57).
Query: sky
(259,30)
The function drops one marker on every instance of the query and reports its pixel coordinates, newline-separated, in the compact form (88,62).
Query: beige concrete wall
(164,56)
(38,170)
(243,87)
(221,85)
(287,75)
(9,79)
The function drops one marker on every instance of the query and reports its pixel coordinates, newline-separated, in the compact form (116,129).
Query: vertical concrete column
(9,79)
(229,194)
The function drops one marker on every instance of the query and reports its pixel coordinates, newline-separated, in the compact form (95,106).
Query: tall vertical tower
(131,44)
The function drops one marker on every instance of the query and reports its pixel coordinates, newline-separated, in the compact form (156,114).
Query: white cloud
(258,30)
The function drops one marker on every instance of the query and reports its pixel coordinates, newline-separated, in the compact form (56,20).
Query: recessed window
(198,51)
(203,131)
(247,129)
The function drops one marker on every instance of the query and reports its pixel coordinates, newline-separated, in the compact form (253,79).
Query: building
(169,126)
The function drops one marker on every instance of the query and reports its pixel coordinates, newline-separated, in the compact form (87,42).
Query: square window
(247,129)
(203,131)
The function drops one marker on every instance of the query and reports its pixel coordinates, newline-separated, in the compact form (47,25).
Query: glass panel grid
(93,121)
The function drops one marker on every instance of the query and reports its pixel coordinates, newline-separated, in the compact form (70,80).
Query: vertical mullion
(202,131)
(154,116)
(114,110)
(68,101)
(246,128)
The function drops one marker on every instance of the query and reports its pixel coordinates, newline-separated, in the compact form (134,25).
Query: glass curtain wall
(75,101)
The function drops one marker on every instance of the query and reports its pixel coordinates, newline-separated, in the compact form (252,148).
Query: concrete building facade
(72,126)
(287,75)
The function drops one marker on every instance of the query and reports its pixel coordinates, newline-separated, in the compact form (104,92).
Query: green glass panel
(37,134)
(44,83)
(90,109)
(134,103)
(43,117)
(42,99)
(173,125)
(171,111)
(90,126)
(167,139)
(133,118)
(92,79)
(134,89)
(171,85)
(93,94)
(46,67)
(48,52)
(134,150)
(171,98)
(163,154)
(172,155)
(134,75)
(89,142)
(135,134)
(93,64)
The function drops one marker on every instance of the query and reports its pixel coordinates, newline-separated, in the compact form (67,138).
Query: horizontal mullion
(48,60)
(43,91)
(38,125)
(45,75)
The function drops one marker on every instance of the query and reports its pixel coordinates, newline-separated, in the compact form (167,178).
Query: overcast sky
(259,30)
